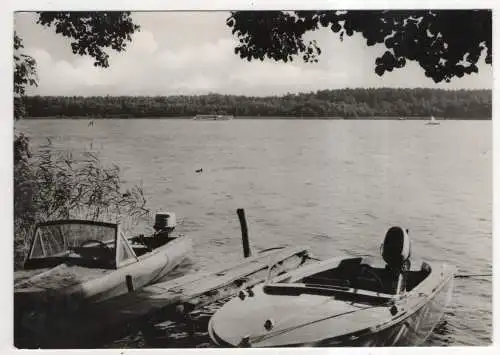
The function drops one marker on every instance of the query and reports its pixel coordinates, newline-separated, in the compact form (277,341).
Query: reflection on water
(333,185)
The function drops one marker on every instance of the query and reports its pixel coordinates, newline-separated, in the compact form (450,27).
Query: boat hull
(63,291)
(412,330)
(315,320)
(213,118)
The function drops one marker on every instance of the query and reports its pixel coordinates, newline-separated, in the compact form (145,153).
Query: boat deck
(161,301)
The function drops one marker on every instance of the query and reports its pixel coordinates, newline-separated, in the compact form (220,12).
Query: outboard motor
(164,224)
(164,220)
(396,251)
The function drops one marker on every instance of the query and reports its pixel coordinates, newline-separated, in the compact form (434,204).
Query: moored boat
(342,301)
(213,117)
(73,264)
(432,121)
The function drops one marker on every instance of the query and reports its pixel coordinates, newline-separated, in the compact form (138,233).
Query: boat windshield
(60,238)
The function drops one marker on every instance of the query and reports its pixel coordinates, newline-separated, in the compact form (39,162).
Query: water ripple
(336,185)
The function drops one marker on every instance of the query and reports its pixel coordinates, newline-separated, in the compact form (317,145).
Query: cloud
(165,61)
(143,43)
(58,76)
(192,57)
(212,66)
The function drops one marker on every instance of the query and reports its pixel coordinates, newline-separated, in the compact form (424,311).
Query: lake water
(336,186)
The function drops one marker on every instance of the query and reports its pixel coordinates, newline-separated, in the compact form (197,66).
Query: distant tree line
(344,103)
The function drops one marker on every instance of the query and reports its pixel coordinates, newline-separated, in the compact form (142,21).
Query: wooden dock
(119,316)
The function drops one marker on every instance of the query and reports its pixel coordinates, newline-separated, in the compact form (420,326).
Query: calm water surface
(335,186)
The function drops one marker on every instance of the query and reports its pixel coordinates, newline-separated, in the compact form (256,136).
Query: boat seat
(415,277)
(348,266)
(343,275)
(94,253)
(380,280)
(141,250)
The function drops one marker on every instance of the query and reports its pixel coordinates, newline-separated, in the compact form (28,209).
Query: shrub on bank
(49,184)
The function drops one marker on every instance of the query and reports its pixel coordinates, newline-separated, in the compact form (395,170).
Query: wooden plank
(219,279)
(157,302)
(191,285)
(251,280)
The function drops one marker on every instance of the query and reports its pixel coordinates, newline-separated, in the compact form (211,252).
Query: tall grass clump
(50,184)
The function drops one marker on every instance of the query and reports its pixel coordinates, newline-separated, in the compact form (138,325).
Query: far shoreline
(304,118)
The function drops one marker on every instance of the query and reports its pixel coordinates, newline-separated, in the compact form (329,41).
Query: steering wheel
(367,269)
(93,241)
(101,244)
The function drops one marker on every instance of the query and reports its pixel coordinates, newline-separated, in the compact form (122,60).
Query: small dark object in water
(199,170)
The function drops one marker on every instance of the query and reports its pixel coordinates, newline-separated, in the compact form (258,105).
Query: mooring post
(244,232)
(130,283)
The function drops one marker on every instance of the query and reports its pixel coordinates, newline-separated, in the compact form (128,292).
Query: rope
(312,258)
(462,276)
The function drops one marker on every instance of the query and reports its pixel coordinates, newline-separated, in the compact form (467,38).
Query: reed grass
(51,184)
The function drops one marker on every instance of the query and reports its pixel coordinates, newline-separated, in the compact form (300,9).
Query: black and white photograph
(251,178)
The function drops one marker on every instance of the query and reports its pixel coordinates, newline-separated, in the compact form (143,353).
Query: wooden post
(244,232)
(130,283)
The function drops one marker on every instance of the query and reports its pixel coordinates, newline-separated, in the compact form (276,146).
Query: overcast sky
(193,53)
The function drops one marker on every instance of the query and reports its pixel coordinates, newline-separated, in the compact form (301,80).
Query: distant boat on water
(433,121)
(213,117)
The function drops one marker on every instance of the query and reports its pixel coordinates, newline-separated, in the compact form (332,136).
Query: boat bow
(290,319)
